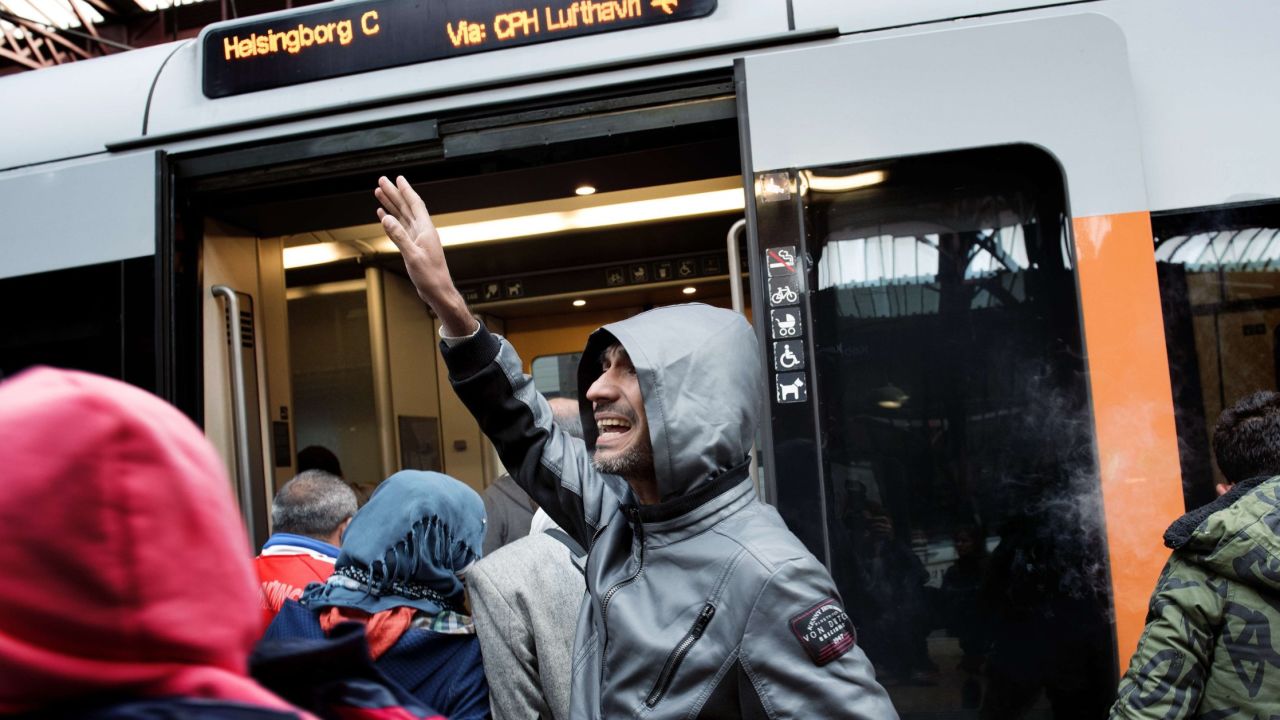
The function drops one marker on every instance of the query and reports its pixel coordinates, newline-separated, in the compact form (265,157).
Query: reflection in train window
(964,514)
(1219,273)
(557,375)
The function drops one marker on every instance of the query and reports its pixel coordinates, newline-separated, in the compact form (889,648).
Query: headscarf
(406,547)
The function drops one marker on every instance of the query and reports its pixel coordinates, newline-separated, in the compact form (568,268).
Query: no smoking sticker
(781,260)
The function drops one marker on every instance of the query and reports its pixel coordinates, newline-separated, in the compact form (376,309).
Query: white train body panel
(1197,82)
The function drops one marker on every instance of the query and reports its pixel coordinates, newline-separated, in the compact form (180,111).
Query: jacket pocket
(677,655)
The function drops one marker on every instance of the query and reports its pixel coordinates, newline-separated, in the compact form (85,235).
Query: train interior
(545,242)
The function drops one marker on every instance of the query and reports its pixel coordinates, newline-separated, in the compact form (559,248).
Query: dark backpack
(334,678)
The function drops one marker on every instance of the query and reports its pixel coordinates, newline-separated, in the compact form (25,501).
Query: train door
(246,383)
(971,417)
(556,220)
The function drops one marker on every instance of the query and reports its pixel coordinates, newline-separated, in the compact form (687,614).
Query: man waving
(700,603)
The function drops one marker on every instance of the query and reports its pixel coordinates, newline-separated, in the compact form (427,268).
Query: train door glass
(1219,273)
(947,379)
(557,375)
(333,392)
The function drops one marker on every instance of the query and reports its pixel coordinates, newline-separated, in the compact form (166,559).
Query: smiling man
(623,446)
(700,603)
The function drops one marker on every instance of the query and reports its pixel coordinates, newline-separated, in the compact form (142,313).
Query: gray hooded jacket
(704,605)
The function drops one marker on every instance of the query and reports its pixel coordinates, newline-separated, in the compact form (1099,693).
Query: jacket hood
(1236,536)
(702,382)
(127,571)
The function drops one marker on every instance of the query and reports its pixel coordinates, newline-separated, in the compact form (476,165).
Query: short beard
(636,462)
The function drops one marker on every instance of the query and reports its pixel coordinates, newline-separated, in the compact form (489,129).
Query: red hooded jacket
(126,570)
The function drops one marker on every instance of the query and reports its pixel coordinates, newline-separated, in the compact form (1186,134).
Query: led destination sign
(352,37)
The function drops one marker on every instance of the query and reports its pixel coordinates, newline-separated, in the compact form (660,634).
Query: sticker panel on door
(788,355)
(784,290)
(791,387)
(781,260)
(785,323)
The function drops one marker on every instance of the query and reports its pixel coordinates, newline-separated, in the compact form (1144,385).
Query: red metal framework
(42,33)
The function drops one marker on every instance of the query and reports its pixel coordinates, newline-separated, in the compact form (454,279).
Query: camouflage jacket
(1211,648)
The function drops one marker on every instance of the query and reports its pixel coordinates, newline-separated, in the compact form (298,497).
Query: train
(1007,261)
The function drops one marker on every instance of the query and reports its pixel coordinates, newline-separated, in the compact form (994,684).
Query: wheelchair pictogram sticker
(788,355)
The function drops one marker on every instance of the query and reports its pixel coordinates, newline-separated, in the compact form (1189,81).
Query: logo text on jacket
(824,631)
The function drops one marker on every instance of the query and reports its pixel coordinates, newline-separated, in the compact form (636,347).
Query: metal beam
(88,25)
(51,34)
(20,59)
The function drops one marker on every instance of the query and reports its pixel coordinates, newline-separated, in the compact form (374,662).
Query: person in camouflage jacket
(1211,648)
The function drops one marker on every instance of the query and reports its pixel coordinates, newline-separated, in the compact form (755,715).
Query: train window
(332,370)
(1219,273)
(964,515)
(96,318)
(557,375)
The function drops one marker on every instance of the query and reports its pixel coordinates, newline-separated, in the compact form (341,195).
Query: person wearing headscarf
(400,576)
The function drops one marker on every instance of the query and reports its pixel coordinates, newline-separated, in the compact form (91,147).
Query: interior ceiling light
(549,217)
(585,190)
(317,254)
(890,397)
(689,290)
(840,183)
(579,303)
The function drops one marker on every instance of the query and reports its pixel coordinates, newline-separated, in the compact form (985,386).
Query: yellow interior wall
(554,334)
(567,332)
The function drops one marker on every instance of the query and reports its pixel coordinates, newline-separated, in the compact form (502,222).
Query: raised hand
(408,224)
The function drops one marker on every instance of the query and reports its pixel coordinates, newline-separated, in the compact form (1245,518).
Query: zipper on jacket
(633,514)
(677,655)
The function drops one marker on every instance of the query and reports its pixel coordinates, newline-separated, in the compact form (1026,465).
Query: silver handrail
(735,265)
(240,414)
(735,295)
(379,345)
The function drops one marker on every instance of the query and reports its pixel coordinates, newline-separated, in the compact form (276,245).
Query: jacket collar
(282,539)
(690,514)
(1180,532)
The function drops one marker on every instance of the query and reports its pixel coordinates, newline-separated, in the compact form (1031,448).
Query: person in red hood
(127,588)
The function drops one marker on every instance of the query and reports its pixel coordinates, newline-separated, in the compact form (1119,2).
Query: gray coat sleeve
(508,648)
(552,466)
(799,659)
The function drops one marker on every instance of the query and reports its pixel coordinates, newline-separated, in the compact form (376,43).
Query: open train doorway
(556,220)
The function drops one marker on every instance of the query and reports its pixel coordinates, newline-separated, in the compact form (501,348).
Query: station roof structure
(36,34)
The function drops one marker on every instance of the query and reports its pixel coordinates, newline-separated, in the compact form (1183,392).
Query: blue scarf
(405,547)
